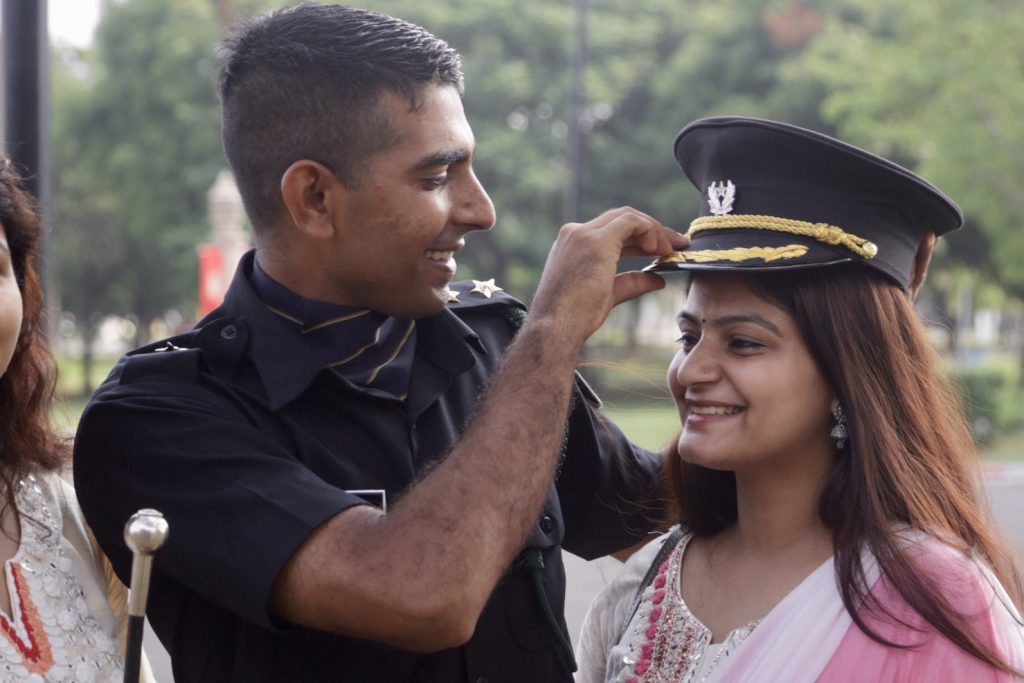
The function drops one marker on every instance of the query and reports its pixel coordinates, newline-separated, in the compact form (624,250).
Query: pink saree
(809,636)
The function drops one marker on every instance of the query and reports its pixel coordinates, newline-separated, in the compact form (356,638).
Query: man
(356,460)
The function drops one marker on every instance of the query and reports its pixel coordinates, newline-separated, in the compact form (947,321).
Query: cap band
(823,232)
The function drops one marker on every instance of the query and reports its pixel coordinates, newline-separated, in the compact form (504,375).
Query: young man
(344,375)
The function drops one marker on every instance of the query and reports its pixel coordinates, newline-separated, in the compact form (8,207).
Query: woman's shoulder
(610,611)
(964,579)
(639,564)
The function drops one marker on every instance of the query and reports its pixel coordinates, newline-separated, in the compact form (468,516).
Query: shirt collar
(285,372)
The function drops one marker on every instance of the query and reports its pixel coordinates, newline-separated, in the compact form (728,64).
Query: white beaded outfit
(61,626)
(663,641)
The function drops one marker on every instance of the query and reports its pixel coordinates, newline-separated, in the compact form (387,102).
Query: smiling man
(369,471)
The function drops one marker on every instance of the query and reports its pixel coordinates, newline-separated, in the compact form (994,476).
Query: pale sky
(73,21)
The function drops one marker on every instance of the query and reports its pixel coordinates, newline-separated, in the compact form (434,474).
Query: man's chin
(414,310)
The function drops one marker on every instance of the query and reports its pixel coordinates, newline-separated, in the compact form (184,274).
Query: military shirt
(247,444)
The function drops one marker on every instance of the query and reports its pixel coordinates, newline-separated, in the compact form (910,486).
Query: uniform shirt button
(546,524)
(229,332)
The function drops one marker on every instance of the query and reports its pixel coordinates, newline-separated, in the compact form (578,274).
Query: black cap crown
(777,196)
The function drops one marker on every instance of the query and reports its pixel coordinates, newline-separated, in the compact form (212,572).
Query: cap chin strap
(823,232)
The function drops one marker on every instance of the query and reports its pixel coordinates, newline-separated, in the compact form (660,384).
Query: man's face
(399,228)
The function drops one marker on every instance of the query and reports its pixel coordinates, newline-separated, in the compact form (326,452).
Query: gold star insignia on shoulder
(453,296)
(487,287)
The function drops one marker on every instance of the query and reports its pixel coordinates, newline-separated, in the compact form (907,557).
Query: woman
(55,620)
(824,479)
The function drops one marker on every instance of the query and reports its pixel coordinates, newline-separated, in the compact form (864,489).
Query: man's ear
(921,261)
(311,191)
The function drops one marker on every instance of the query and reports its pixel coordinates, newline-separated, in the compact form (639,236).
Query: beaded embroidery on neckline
(50,634)
(667,640)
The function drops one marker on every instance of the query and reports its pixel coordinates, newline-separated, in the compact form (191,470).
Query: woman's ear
(921,262)
(311,192)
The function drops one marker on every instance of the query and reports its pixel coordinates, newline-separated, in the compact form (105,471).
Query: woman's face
(748,391)
(10,304)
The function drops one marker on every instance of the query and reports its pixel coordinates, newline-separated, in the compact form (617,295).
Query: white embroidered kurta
(61,626)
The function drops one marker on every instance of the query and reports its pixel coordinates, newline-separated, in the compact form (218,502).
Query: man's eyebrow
(733,319)
(445,158)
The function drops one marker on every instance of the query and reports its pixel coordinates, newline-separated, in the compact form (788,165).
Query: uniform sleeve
(237,503)
(609,487)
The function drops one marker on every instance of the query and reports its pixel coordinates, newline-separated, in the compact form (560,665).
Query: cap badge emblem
(720,197)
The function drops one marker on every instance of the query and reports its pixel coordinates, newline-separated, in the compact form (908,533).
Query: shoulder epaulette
(215,346)
(470,294)
(165,357)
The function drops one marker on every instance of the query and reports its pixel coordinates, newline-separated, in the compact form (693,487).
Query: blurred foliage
(935,85)
(994,406)
(136,146)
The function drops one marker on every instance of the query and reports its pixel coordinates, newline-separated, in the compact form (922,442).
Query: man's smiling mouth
(439,256)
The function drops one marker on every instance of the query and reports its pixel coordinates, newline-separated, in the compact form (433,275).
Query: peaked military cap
(776,196)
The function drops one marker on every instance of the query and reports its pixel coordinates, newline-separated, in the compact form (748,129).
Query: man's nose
(475,210)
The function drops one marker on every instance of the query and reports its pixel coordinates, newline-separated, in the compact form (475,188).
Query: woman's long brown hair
(910,459)
(27,440)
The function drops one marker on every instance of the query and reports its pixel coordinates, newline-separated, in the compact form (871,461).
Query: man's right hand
(579,285)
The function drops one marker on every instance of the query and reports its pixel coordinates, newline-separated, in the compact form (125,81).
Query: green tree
(136,145)
(937,85)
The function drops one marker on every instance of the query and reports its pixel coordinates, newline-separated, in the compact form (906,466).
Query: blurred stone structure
(229,239)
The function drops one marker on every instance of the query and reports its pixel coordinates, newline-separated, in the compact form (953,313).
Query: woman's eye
(688,340)
(741,344)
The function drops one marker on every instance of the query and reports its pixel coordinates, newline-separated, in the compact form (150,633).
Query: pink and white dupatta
(809,636)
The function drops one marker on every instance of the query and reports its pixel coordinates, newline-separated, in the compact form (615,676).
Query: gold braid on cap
(736,255)
(823,232)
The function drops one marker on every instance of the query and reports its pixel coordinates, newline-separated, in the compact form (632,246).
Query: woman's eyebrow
(733,319)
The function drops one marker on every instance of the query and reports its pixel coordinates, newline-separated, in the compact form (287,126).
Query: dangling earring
(839,432)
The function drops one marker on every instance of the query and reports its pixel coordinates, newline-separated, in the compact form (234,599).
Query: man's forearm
(438,554)
(482,500)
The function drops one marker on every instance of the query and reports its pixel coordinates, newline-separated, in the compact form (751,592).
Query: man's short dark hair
(305,83)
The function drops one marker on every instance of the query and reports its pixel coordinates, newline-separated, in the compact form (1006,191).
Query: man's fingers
(668,240)
(641,235)
(633,284)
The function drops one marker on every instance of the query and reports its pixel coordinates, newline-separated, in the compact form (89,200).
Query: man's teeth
(715,410)
(442,256)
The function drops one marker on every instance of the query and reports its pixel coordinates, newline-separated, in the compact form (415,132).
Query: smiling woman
(824,480)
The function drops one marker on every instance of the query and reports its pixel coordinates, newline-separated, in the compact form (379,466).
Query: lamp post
(577,104)
(26,111)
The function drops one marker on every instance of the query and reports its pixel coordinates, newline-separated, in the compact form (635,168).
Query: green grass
(1005,448)
(66,413)
(70,374)
(651,426)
